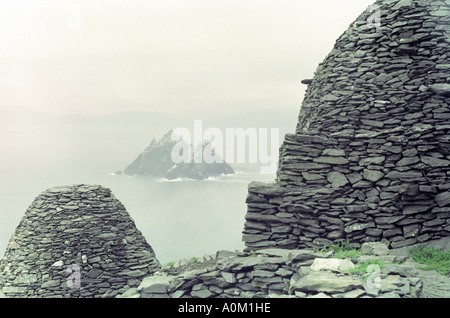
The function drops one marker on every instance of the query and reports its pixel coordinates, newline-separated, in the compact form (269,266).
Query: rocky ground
(435,285)
(297,274)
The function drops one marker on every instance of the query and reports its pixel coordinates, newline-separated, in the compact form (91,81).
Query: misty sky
(95,57)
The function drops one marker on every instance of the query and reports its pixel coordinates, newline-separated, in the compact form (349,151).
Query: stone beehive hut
(370,157)
(75,241)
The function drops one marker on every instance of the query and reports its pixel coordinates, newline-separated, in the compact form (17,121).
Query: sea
(179,218)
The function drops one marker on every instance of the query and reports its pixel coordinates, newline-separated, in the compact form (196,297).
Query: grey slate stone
(337,179)
(443,199)
(442,88)
(372,175)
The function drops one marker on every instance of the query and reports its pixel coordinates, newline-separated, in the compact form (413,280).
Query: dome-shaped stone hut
(75,241)
(370,157)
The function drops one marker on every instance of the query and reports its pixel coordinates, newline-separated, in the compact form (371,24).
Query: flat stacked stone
(286,273)
(370,158)
(75,241)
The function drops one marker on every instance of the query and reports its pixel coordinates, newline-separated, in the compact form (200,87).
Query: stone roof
(75,241)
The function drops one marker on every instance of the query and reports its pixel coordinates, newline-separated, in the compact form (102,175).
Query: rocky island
(156,161)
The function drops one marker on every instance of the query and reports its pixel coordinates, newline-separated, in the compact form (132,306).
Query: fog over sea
(179,218)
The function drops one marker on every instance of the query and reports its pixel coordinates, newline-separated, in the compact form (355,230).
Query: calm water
(180,219)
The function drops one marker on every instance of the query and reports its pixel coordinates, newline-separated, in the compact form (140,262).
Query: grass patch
(352,254)
(433,258)
(362,268)
(345,250)
(342,250)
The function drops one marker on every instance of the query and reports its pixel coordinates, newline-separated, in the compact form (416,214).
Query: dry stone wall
(282,273)
(75,241)
(370,158)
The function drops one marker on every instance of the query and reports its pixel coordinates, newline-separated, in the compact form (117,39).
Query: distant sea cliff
(156,161)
